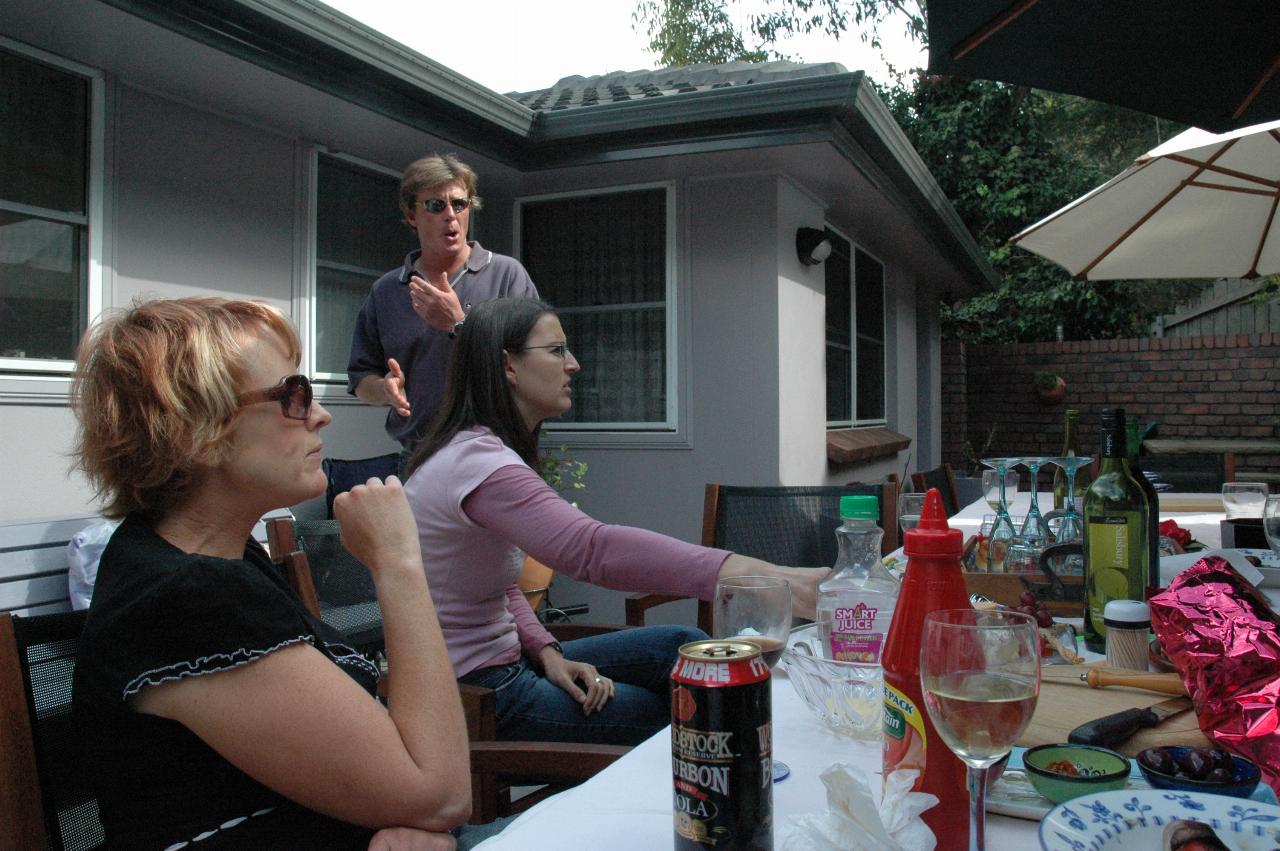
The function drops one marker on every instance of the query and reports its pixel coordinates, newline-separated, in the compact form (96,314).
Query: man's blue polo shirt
(387,327)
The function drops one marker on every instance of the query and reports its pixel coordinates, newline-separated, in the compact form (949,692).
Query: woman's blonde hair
(155,391)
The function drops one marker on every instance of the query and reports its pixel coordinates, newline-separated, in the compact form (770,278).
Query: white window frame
(331,386)
(851,421)
(627,434)
(29,378)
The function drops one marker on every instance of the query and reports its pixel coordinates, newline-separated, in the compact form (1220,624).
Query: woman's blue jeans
(639,661)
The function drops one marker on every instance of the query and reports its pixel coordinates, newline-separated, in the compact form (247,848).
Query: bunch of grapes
(1031,605)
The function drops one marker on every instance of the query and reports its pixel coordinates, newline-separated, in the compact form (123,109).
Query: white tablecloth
(628,805)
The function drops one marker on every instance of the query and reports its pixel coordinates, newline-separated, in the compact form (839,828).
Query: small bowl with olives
(1191,769)
(1066,771)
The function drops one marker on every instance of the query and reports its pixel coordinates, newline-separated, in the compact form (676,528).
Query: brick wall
(1194,387)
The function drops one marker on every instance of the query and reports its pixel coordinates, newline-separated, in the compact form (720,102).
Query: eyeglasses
(557,349)
(436,206)
(293,393)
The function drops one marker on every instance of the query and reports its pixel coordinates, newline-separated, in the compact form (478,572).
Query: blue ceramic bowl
(1244,777)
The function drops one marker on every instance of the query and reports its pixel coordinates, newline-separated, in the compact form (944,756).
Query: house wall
(199,204)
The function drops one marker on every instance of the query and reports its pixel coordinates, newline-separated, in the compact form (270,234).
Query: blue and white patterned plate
(1136,819)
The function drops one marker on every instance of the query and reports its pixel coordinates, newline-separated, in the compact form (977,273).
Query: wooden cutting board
(1062,707)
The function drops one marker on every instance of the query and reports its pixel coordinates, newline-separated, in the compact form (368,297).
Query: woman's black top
(159,614)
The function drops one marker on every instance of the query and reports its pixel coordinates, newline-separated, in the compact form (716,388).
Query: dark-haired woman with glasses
(218,712)
(480,506)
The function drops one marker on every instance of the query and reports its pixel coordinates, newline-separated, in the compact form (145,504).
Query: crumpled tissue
(853,822)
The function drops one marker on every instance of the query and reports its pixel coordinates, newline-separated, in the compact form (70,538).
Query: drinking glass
(1071,527)
(755,609)
(991,485)
(980,674)
(909,507)
(1271,523)
(1034,532)
(1244,499)
(1002,532)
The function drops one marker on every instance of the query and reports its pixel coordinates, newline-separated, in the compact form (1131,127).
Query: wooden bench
(33,561)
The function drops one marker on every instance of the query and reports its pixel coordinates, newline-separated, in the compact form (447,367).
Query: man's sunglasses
(293,393)
(435,206)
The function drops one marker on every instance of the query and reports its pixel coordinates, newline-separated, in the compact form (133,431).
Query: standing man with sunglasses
(404,332)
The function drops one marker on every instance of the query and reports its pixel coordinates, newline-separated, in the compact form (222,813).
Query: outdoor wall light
(812,246)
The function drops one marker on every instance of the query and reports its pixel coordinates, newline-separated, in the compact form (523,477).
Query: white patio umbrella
(1199,206)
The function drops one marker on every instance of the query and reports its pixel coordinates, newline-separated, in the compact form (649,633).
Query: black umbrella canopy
(1213,64)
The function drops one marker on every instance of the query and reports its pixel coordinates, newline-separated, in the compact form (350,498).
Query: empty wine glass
(1271,523)
(1002,531)
(1071,526)
(980,674)
(1035,532)
(909,507)
(991,484)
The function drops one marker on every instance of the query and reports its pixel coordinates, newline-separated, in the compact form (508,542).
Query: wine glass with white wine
(980,674)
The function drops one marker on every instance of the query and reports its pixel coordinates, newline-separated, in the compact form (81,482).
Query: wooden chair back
(535,581)
(45,798)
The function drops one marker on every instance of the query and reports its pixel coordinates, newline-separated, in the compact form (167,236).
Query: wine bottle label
(1113,561)
(904,736)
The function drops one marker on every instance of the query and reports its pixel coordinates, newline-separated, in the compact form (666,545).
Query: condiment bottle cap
(1126,614)
(932,536)
(860,507)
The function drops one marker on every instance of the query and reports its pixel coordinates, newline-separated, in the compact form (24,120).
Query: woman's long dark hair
(476,391)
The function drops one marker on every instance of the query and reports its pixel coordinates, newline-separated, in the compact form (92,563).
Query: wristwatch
(457,326)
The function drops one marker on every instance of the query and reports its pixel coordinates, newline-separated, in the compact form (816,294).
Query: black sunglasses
(293,393)
(435,206)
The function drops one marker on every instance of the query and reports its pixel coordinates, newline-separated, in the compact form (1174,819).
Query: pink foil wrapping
(1224,639)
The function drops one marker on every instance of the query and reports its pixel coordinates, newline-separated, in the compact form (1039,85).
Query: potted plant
(1049,386)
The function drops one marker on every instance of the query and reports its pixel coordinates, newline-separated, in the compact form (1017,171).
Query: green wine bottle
(1115,533)
(1070,446)
(1133,445)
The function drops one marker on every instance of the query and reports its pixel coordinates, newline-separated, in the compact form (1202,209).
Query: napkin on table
(853,822)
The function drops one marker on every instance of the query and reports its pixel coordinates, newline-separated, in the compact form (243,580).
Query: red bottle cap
(933,537)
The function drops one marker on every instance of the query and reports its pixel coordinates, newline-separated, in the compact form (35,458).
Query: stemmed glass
(1002,531)
(1271,523)
(1035,532)
(755,609)
(980,674)
(1071,526)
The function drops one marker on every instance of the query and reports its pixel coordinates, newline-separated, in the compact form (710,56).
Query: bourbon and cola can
(722,747)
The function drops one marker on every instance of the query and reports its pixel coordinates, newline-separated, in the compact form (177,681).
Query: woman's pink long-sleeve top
(479,509)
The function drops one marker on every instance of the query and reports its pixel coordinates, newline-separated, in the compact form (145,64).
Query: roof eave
(315,45)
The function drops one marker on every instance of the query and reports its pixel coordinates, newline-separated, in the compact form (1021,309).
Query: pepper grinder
(1128,624)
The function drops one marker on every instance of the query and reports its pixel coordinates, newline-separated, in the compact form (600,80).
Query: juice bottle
(933,580)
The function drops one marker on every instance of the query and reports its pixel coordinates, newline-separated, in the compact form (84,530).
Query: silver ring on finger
(599,680)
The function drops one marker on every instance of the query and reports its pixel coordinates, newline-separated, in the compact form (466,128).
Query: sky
(513,46)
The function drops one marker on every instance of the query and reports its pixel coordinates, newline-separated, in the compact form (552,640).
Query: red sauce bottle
(934,580)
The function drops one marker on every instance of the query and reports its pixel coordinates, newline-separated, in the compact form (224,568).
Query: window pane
(358,219)
(839,322)
(869,298)
(44,128)
(624,365)
(339,296)
(42,310)
(600,251)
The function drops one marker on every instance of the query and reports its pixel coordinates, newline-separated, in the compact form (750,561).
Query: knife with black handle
(1113,730)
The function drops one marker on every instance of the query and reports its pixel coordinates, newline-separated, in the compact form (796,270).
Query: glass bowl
(848,698)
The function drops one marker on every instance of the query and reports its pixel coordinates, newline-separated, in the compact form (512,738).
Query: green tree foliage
(688,32)
(1005,156)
